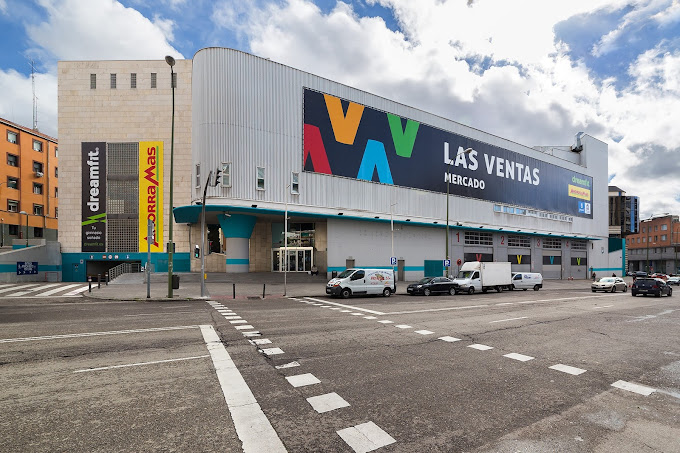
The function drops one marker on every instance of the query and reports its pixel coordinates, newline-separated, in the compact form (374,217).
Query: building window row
(516,240)
(531,213)
(113,82)
(12,137)
(579,245)
(478,238)
(552,243)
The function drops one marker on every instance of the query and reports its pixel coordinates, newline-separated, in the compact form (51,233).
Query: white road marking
(6,290)
(520,357)
(449,339)
(365,437)
(505,303)
(346,306)
(636,388)
(300,380)
(287,365)
(32,290)
(604,306)
(424,332)
(385,321)
(356,314)
(255,333)
(240,321)
(327,402)
(261,341)
(317,305)
(567,369)
(159,314)
(403,326)
(252,426)
(94,334)
(481,347)
(273,351)
(244,327)
(232,317)
(345,311)
(336,308)
(77,291)
(509,319)
(140,364)
(56,290)
(370,317)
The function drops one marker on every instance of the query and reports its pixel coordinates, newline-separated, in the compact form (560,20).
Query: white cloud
(16,103)
(3,6)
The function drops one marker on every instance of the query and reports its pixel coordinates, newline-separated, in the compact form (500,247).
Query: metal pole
(448,178)
(285,244)
(150,236)
(27,229)
(392,229)
(171,62)
(205,189)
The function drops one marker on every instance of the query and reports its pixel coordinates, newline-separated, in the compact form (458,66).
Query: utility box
(175,281)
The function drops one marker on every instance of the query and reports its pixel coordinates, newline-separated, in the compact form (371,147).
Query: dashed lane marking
(567,369)
(301,380)
(244,327)
(449,339)
(520,357)
(509,319)
(260,341)
(635,388)
(141,364)
(403,326)
(481,347)
(345,306)
(327,402)
(287,365)
(272,351)
(255,333)
(424,332)
(365,437)
(370,317)
(238,321)
(385,321)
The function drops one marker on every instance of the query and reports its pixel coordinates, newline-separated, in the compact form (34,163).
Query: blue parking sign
(393,261)
(447,263)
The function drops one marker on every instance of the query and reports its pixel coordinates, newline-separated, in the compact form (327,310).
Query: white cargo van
(527,280)
(361,282)
(481,276)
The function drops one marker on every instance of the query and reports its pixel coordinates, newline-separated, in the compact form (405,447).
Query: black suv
(654,286)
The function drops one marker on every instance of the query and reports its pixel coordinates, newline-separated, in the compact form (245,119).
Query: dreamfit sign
(94,197)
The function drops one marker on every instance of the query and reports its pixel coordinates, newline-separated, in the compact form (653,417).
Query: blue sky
(534,71)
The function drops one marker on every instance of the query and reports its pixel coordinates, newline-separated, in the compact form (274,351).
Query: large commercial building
(29,188)
(655,248)
(365,181)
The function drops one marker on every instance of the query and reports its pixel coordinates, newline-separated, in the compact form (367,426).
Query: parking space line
(252,426)
(141,363)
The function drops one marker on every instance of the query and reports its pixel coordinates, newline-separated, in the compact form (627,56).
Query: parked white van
(361,282)
(527,280)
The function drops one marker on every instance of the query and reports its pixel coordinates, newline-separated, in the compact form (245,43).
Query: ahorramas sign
(93,208)
(151,193)
(348,139)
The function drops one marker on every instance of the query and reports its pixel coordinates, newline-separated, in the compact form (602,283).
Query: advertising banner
(151,193)
(93,197)
(347,139)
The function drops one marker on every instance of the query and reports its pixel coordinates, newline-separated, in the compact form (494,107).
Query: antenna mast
(35,99)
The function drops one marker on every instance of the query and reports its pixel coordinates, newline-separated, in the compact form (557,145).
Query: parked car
(663,277)
(654,286)
(362,282)
(609,284)
(639,274)
(673,281)
(432,285)
(527,280)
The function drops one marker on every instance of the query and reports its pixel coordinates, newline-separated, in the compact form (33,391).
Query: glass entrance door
(300,259)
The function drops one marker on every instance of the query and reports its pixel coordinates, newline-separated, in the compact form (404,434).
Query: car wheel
(592,290)
(484,290)
(471,290)
(345,293)
(513,286)
(670,292)
(614,288)
(536,287)
(452,291)
(498,289)
(633,293)
(524,289)
(426,291)
(387,292)
(657,294)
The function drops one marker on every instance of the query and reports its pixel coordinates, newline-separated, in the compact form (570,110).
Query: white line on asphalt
(287,365)
(505,303)
(403,326)
(567,369)
(238,321)
(356,314)
(481,347)
(370,317)
(77,291)
(520,357)
(140,363)
(232,317)
(365,437)
(160,314)
(604,306)
(252,426)
(32,290)
(56,290)
(385,321)
(260,341)
(346,306)
(327,402)
(272,351)
(94,334)
(6,290)
(345,311)
(509,319)
(636,388)
(255,333)
(244,327)
(300,380)
(424,332)
(449,339)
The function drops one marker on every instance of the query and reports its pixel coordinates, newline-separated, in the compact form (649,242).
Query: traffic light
(218,175)
(197,252)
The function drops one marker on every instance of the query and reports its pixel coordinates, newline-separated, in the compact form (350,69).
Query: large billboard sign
(344,138)
(151,194)
(93,208)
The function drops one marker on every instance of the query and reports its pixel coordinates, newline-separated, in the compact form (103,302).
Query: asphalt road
(510,372)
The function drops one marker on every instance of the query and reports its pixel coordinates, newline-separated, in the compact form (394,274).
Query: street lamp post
(26,213)
(171,61)
(285,242)
(448,180)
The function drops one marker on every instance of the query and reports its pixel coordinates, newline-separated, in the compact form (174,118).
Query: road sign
(447,263)
(459,262)
(393,261)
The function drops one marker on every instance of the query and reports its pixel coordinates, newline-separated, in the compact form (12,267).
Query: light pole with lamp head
(26,213)
(171,61)
(448,180)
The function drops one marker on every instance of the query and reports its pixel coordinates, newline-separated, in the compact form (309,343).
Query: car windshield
(346,273)
(465,274)
(607,280)
(425,280)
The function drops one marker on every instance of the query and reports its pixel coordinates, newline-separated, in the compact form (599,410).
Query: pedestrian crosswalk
(34,290)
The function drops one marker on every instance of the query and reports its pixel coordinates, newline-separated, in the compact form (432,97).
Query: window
(93,81)
(56,152)
(37,232)
(664,227)
(260,178)
(173,83)
(656,238)
(295,183)
(37,146)
(12,206)
(13,183)
(638,240)
(56,172)
(13,230)
(12,137)
(37,167)
(226,174)
(579,245)
(508,209)
(12,160)
(56,213)
(133,80)
(56,192)
(38,209)
(552,243)
(515,240)
(497,208)
(656,227)
(113,81)
(37,188)
(478,238)
(153,80)
(198,176)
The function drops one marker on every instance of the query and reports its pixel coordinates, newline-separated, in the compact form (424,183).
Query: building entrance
(300,259)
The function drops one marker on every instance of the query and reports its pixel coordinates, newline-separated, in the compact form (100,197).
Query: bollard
(99,281)
(106,278)
(234,289)
(264,285)
(89,282)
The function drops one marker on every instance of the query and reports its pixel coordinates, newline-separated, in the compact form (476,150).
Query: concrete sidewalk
(251,285)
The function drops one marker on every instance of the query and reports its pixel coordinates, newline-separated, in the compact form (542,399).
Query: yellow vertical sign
(151,193)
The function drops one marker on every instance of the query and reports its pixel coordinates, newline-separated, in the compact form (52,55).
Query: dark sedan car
(654,286)
(432,285)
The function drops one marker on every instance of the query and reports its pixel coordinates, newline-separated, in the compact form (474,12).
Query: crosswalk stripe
(77,291)
(6,290)
(32,290)
(56,290)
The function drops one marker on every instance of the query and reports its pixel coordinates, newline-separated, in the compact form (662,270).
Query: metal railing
(124,268)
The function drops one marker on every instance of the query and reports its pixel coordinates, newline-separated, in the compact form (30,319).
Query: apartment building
(29,187)
(656,247)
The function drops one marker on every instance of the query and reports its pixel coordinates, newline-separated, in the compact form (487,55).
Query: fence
(124,268)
